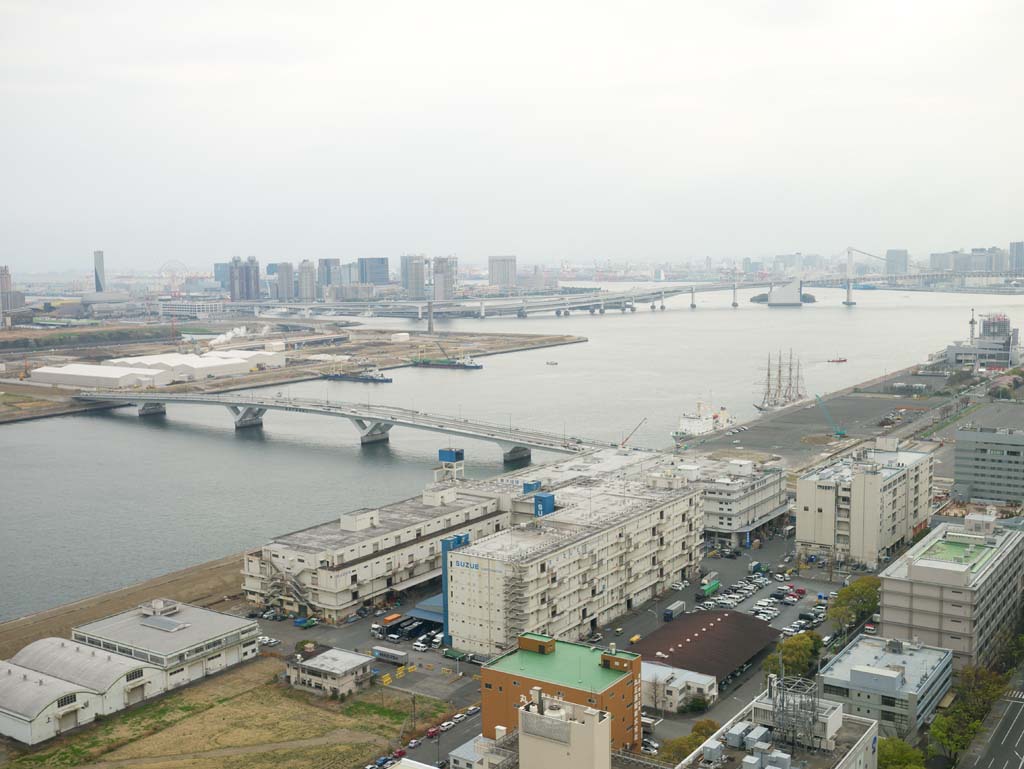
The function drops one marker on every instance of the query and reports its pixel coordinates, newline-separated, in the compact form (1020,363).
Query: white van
(419,646)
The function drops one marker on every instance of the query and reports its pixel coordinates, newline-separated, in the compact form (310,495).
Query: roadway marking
(1008,731)
(1014,694)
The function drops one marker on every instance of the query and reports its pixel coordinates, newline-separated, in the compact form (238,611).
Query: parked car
(647,750)
(780,577)
(433,731)
(472,710)
(791,600)
(446,725)
(651,743)
(399,753)
(870,629)
(413,744)
(459,718)
(594,638)
(677,585)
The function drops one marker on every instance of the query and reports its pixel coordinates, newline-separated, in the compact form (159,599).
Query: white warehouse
(89,375)
(186,642)
(35,707)
(118,681)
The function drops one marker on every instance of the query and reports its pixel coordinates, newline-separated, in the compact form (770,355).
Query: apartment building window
(889,702)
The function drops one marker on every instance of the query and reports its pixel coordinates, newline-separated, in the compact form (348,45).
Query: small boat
(837,360)
(552,362)
(374,376)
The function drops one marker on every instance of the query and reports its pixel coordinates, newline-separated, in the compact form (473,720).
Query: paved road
(1000,745)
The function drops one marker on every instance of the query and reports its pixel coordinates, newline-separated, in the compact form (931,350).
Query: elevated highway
(374,423)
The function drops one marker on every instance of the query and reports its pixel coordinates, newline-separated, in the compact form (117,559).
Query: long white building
(367,555)
(864,507)
(621,529)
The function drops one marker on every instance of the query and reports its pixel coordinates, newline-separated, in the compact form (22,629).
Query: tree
(857,600)
(896,754)
(953,733)
(977,689)
(798,655)
(674,751)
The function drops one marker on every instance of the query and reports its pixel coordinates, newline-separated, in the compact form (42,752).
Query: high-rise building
(222,274)
(958,588)
(326,270)
(942,262)
(1017,256)
(244,279)
(862,508)
(988,464)
(414,276)
(6,292)
(99,274)
(897,261)
(443,270)
(374,270)
(347,274)
(252,278)
(285,282)
(501,271)
(307,281)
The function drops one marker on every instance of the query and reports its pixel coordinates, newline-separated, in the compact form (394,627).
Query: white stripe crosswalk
(1014,694)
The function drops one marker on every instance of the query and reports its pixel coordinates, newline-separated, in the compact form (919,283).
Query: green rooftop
(973,556)
(572,665)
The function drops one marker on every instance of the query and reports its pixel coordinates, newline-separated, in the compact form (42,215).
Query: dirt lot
(243,717)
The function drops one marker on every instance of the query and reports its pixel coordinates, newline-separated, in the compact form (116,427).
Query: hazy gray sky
(579,130)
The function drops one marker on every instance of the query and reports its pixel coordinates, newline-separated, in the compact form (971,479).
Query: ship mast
(778,380)
(767,396)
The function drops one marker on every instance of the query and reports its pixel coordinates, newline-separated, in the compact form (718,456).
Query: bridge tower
(693,298)
(735,300)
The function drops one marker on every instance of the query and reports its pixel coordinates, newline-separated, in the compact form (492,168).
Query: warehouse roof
(711,642)
(187,627)
(26,692)
(84,665)
(572,664)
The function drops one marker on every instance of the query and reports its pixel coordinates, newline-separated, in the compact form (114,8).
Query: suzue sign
(467,565)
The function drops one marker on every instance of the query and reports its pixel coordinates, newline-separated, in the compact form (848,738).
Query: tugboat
(372,375)
(701,423)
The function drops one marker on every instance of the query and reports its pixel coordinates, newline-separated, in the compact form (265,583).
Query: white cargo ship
(702,423)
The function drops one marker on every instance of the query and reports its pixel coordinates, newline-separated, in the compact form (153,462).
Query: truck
(674,610)
(455,654)
(387,654)
(755,567)
(708,590)
(708,578)
(306,622)
(391,619)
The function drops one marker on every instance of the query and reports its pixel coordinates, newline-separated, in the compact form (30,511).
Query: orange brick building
(607,679)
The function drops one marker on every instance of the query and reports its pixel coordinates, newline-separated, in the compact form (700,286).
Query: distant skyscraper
(501,271)
(374,270)
(222,274)
(307,281)
(942,261)
(236,282)
(444,269)
(99,274)
(897,261)
(6,292)
(326,274)
(1017,256)
(285,282)
(252,278)
(414,276)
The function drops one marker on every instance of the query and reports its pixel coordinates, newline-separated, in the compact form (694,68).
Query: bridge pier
(248,416)
(513,453)
(151,409)
(483,310)
(735,300)
(662,300)
(372,432)
(693,298)
(849,294)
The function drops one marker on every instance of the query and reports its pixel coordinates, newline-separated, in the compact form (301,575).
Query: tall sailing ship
(783,384)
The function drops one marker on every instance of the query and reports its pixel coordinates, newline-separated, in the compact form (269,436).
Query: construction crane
(837,431)
(632,433)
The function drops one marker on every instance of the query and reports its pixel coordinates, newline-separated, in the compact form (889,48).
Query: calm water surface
(95,502)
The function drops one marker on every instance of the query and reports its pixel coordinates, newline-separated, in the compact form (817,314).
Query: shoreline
(212,582)
(299,374)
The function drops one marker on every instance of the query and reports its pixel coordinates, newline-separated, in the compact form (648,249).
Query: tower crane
(632,433)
